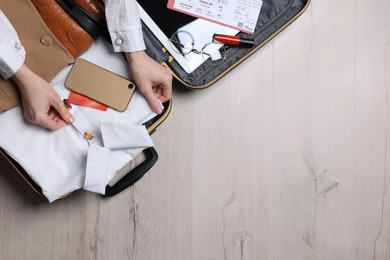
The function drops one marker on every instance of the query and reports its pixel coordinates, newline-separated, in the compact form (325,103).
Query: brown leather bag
(71,33)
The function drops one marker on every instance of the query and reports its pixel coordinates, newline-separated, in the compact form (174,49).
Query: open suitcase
(275,15)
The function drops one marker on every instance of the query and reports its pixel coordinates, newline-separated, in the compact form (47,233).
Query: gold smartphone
(100,84)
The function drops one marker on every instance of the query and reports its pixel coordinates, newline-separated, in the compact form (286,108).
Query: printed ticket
(238,14)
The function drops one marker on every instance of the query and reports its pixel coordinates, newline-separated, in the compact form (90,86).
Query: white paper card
(238,14)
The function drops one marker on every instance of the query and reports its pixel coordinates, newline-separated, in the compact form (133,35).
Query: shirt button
(18,45)
(119,41)
(46,40)
(88,136)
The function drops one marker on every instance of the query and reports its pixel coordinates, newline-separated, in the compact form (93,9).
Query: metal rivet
(46,40)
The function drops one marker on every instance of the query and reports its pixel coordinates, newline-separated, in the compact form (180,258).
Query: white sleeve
(12,53)
(124,25)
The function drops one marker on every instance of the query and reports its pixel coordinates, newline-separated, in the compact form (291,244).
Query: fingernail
(158,110)
(71,119)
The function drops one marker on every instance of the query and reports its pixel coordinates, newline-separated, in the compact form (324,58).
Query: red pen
(233,40)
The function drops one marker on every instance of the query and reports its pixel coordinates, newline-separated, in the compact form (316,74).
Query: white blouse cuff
(128,41)
(12,56)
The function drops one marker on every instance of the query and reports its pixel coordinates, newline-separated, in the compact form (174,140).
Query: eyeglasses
(183,42)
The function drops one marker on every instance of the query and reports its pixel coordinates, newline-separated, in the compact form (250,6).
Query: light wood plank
(284,158)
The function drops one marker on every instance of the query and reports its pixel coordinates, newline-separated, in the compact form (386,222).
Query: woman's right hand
(41,104)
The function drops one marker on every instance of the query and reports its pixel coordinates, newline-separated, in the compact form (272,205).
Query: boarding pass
(238,14)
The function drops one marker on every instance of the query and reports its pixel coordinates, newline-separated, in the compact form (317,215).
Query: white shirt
(123,24)
(65,160)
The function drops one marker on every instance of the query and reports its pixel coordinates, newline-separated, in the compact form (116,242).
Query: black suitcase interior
(275,15)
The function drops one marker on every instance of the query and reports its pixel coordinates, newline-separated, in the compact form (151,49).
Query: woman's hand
(41,104)
(152,79)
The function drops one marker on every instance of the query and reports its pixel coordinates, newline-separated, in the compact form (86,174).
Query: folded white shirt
(64,160)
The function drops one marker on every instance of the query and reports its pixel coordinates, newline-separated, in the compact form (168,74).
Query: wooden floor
(287,157)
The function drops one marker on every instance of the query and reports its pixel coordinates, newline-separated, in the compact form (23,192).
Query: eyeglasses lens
(182,42)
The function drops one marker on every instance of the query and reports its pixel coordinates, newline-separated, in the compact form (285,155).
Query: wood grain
(286,157)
